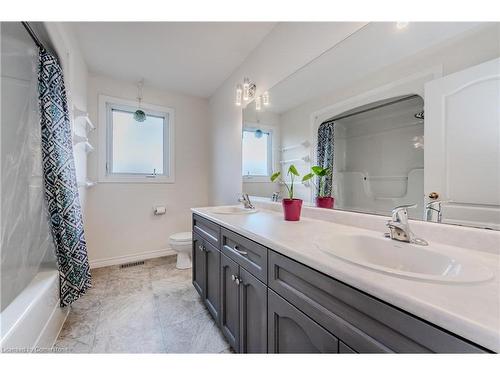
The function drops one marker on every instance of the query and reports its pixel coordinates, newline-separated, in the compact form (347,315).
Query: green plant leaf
(293,170)
(316,169)
(307,177)
(274,176)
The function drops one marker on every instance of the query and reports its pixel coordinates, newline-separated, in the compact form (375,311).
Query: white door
(462,144)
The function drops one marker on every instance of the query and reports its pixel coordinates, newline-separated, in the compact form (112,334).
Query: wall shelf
(304,159)
(79,113)
(304,144)
(87,184)
(77,139)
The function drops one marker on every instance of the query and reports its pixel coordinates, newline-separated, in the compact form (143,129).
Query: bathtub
(33,320)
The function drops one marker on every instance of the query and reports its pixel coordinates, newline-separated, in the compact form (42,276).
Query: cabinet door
(253,314)
(291,331)
(212,280)
(229,297)
(199,265)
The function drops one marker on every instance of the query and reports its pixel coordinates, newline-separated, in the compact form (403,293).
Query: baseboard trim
(98,263)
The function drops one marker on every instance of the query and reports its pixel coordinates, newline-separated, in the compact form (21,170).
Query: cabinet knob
(201,247)
(237,281)
(233,277)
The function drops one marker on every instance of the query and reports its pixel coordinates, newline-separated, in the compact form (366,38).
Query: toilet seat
(182,237)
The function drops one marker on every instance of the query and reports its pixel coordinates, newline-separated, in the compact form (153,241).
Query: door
(253,314)
(212,279)
(199,265)
(229,297)
(291,331)
(462,145)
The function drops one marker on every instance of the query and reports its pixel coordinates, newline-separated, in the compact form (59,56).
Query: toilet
(181,243)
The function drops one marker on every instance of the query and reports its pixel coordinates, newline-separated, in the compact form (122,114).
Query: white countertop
(471,311)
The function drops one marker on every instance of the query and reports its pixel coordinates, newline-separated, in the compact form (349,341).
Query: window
(136,151)
(257,153)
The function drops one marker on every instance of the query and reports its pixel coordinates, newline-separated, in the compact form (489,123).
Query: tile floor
(150,308)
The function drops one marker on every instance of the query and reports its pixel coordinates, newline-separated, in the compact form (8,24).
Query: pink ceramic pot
(325,202)
(291,209)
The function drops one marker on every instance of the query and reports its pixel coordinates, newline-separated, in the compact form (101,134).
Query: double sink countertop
(470,310)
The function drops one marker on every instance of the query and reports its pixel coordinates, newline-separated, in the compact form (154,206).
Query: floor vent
(132,264)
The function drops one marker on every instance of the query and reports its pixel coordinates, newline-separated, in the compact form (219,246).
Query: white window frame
(105,142)
(270,158)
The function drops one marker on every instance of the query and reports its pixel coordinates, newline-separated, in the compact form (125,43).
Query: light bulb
(265,99)
(258,103)
(239,94)
(246,89)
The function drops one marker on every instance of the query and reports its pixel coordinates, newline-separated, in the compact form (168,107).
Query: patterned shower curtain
(326,143)
(61,188)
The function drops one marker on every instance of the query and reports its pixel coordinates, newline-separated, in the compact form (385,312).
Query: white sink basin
(233,210)
(406,260)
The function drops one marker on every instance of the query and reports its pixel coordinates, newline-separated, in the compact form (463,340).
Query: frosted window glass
(255,154)
(137,146)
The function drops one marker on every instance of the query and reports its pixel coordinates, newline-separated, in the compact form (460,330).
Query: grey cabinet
(229,313)
(362,322)
(253,314)
(243,308)
(199,267)
(205,274)
(291,331)
(266,302)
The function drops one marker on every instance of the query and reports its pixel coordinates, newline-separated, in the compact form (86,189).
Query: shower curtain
(325,152)
(61,188)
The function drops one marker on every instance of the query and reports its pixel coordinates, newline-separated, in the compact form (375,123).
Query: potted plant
(322,200)
(291,205)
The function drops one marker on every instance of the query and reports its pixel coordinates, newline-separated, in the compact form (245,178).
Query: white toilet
(182,244)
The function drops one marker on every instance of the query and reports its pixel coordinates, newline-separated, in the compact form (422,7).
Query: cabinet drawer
(207,230)
(362,322)
(250,255)
(291,331)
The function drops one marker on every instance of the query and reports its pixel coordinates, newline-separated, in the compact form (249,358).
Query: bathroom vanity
(267,298)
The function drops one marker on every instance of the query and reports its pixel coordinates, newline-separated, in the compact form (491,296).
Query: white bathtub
(34,319)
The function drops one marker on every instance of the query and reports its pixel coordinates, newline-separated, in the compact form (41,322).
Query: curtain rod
(372,108)
(33,35)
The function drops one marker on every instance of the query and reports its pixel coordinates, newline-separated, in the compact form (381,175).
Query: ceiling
(193,58)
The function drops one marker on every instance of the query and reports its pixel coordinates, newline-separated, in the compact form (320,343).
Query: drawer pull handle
(241,252)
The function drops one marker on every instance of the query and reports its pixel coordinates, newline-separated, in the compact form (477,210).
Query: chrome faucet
(431,207)
(245,199)
(399,227)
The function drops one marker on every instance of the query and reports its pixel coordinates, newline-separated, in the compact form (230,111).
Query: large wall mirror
(399,116)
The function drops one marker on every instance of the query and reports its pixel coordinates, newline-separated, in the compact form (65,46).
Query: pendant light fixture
(245,92)
(139,114)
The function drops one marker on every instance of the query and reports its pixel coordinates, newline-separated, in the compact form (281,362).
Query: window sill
(137,180)
(259,179)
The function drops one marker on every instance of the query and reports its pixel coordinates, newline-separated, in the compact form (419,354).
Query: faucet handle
(401,212)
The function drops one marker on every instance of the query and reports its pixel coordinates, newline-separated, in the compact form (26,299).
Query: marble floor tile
(149,308)
(196,335)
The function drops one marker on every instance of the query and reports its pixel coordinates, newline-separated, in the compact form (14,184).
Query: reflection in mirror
(400,117)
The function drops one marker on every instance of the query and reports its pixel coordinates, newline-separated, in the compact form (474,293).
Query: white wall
(75,79)
(287,47)
(119,218)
